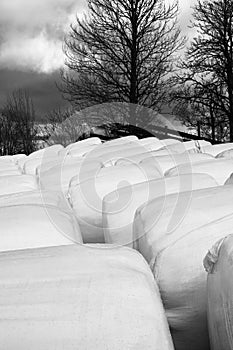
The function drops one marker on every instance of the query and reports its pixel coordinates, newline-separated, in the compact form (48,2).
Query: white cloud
(39,53)
(32,33)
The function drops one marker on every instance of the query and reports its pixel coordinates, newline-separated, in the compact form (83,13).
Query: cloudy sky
(31,36)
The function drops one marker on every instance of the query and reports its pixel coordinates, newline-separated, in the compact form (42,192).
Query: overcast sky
(31,36)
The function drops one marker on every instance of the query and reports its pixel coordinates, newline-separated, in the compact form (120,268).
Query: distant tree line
(17,124)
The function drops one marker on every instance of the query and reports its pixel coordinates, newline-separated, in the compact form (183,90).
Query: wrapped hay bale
(50,150)
(26,226)
(173,234)
(119,207)
(122,140)
(228,154)
(86,197)
(57,178)
(220,169)
(69,298)
(167,162)
(218,264)
(36,197)
(17,183)
(216,150)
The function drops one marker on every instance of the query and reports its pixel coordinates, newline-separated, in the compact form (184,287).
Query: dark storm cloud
(31,37)
(42,88)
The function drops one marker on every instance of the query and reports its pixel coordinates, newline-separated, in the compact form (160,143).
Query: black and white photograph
(116,175)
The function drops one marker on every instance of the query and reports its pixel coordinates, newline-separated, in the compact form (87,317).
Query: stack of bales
(106,243)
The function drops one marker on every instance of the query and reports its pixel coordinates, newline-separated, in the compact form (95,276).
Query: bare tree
(197,108)
(122,51)
(17,128)
(207,78)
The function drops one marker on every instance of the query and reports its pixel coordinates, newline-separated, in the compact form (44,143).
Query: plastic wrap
(215,150)
(165,163)
(228,154)
(182,280)
(44,198)
(220,169)
(51,150)
(174,235)
(119,207)
(58,177)
(78,297)
(26,226)
(218,263)
(17,183)
(86,197)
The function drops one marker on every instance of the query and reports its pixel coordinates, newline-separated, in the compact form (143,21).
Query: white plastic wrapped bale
(121,140)
(150,144)
(6,158)
(86,197)
(13,158)
(10,171)
(17,183)
(174,234)
(215,150)
(80,297)
(167,142)
(6,164)
(80,148)
(148,140)
(82,151)
(137,158)
(58,177)
(119,207)
(167,162)
(218,263)
(228,154)
(183,146)
(33,226)
(193,146)
(180,275)
(49,163)
(109,147)
(220,169)
(30,166)
(134,158)
(38,197)
(51,150)
(111,158)
(163,152)
(8,167)
(165,218)
(86,174)
(17,157)
(20,162)
(108,155)
(86,142)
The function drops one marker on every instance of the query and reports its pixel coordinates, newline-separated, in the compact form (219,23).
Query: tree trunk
(133,76)
(212,123)
(198,129)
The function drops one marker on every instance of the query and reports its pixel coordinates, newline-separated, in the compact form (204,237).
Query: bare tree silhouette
(122,51)
(207,78)
(17,128)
